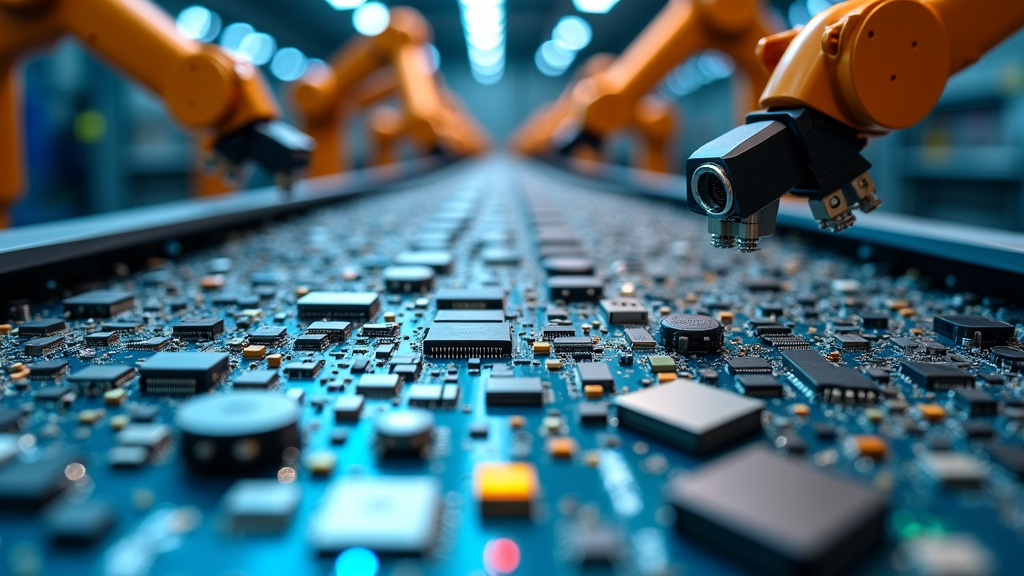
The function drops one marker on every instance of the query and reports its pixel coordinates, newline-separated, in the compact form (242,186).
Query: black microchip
(304,370)
(770,309)
(593,413)
(206,329)
(1009,456)
(470,316)
(360,365)
(568,344)
(468,340)
(79,523)
(708,375)
(639,339)
(935,376)
(102,339)
(478,429)
(780,515)
(102,377)
(382,330)
(337,330)
(749,365)
(154,343)
(99,304)
(29,485)
(763,284)
(121,326)
(384,351)
(180,373)
(852,342)
(878,374)
(576,288)
(43,346)
(52,393)
(47,327)
(831,382)
(379,385)
(260,379)
(348,408)
(407,372)
(874,321)
(551,331)
(596,373)
(425,395)
(975,402)
(978,430)
(471,299)
(786,342)
(973,330)
(48,370)
(268,335)
(759,385)
(515,391)
(314,342)
(339,305)
(824,430)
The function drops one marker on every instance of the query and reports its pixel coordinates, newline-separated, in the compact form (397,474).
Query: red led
(501,555)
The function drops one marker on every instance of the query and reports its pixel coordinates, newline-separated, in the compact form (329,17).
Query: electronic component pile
(503,373)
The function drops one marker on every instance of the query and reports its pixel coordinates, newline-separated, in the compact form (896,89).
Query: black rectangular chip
(470,316)
(99,304)
(205,329)
(935,376)
(470,299)
(468,340)
(830,382)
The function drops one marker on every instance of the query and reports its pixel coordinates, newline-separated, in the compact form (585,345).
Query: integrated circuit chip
(596,373)
(515,391)
(183,372)
(969,329)
(97,378)
(258,379)
(206,329)
(576,288)
(386,514)
(624,311)
(260,506)
(778,514)
(337,330)
(935,376)
(339,305)
(759,385)
(696,418)
(99,304)
(468,340)
(749,365)
(448,315)
(827,380)
(470,299)
(640,339)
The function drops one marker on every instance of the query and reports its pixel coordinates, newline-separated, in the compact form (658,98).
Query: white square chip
(399,515)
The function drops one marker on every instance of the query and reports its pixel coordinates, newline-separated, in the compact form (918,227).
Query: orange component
(506,488)
(881,65)
(368,70)
(870,446)
(204,86)
(254,352)
(562,447)
(274,360)
(932,412)
(593,391)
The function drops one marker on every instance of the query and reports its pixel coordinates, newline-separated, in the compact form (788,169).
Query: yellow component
(592,458)
(586,329)
(896,304)
(254,352)
(875,415)
(322,463)
(907,312)
(667,377)
(5,329)
(389,316)
(554,364)
(932,412)
(801,410)
(552,423)
(726,317)
(251,312)
(593,391)
(880,65)
(91,416)
(120,422)
(834,356)
(20,374)
(212,281)
(368,70)
(628,289)
(691,297)
(664,310)
(114,397)
(541,348)
(917,331)
(302,290)
(562,447)
(870,446)
(505,488)
(203,85)
(274,360)
(516,422)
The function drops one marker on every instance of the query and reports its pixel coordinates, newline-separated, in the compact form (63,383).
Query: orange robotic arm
(203,86)
(655,120)
(858,68)
(324,96)
(606,101)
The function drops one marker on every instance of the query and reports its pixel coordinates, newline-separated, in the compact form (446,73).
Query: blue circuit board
(603,501)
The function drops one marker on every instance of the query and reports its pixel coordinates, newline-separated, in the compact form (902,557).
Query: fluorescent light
(258,47)
(371,18)
(289,64)
(488,79)
(544,67)
(198,23)
(594,6)
(345,4)
(486,57)
(572,33)
(715,65)
(234,34)
(556,56)
(483,23)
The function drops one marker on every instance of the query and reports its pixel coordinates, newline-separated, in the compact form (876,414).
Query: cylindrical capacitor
(413,278)
(689,333)
(404,432)
(238,432)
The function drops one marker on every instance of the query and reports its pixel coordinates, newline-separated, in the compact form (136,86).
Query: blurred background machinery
(96,142)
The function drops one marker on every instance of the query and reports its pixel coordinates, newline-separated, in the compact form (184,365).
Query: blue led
(356,562)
